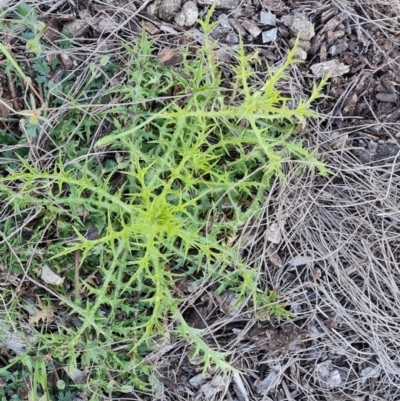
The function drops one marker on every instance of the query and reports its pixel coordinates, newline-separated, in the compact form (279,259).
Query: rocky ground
(329,245)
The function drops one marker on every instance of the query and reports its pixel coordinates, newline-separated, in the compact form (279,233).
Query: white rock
(333,67)
(273,233)
(300,54)
(188,15)
(49,277)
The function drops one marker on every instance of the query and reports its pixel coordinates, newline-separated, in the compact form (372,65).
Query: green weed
(43,85)
(186,165)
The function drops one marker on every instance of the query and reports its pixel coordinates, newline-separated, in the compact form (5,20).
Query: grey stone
(224,21)
(267,18)
(232,38)
(152,8)
(270,35)
(273,233)
(338,48)
(16,341)
(365,156)
(386,97)
(300,260)
(168,9)
(223,54)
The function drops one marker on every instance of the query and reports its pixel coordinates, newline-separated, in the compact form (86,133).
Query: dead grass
(340,252)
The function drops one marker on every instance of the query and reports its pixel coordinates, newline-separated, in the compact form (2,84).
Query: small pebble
(302,27)
(300,54)
(188,15)
(270,35)
(224,21)
(333,68)
(267,18)
(338,48)
(168,9)
(369,373)
(365,157)
(223,55)
(199,380)
(386,97)
(232,38)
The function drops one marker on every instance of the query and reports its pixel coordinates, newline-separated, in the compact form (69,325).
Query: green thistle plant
(184,163)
